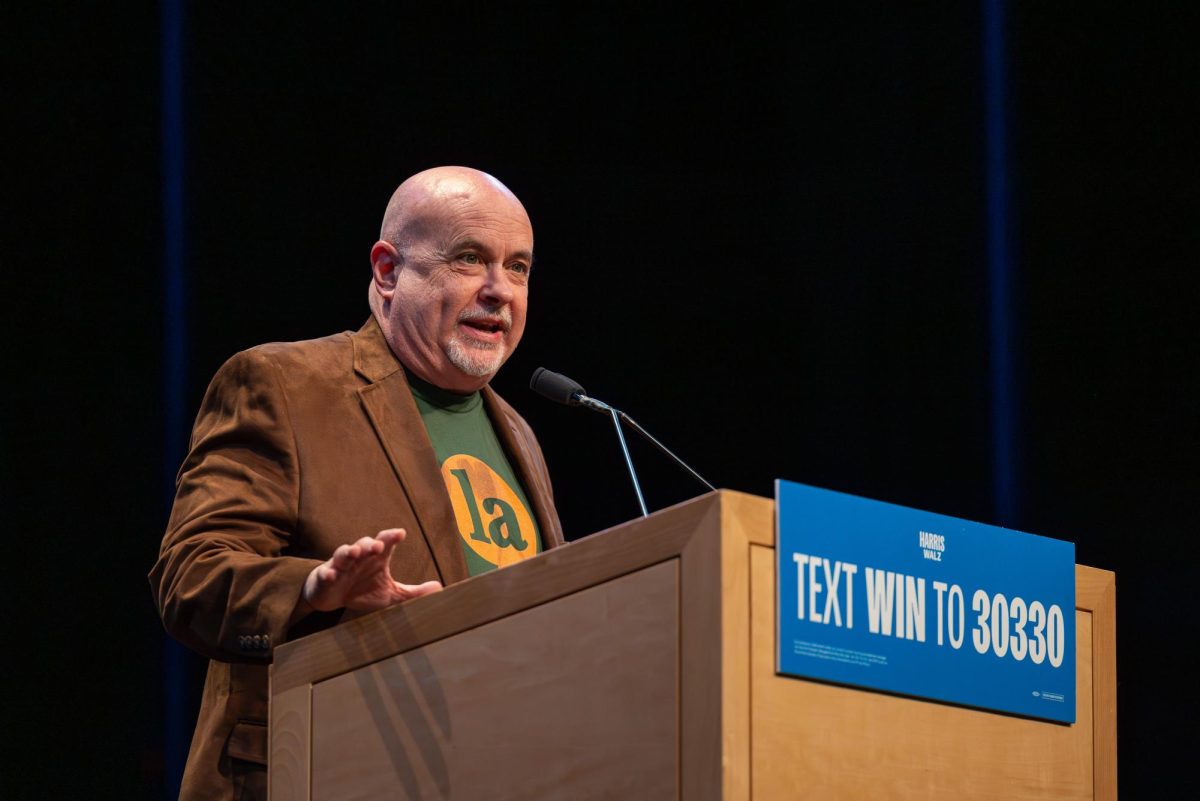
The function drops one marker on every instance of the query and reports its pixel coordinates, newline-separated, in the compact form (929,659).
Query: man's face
(461,286)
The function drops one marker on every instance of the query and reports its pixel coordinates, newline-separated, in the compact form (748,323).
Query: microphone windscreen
(555,386)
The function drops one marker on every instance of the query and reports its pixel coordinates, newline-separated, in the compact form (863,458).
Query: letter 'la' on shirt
(490,505)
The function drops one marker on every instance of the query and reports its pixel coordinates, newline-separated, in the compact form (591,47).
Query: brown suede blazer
(298,448)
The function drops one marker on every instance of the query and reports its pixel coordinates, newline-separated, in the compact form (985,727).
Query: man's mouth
(489,329)
(490,326)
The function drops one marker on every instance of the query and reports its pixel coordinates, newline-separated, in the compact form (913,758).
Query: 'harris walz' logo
(932,545)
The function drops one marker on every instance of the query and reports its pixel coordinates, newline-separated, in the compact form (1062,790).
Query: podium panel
(640,663)
(852,744)
(579,693)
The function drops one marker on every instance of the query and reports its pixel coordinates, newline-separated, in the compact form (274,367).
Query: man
(324,475)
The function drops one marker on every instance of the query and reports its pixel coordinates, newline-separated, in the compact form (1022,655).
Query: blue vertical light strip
(175,739)
(999,265)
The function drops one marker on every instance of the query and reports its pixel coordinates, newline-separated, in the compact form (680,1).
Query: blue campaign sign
(896,599)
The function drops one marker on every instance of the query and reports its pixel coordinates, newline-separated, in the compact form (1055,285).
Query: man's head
(450,276)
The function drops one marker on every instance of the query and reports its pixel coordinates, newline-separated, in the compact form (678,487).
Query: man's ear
(384,262)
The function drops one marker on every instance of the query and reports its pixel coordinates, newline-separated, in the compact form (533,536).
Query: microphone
(560,389)
(556,386)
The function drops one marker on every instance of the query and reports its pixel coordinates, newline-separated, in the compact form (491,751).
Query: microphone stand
(560,389)
(617,416)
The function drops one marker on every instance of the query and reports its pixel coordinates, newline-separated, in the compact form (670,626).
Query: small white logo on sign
(932,545)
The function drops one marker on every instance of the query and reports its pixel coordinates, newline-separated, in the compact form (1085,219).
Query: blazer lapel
(389,404)
(535,481)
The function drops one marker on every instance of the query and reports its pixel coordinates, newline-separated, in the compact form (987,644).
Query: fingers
(375,551)
(391,535)
(406,591)
(346,556)
(320,585)
(357,576)
(366,546)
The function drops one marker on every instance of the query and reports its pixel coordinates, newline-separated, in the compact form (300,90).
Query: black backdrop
(763,233)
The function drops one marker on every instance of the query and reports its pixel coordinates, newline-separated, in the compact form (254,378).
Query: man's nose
(497,286)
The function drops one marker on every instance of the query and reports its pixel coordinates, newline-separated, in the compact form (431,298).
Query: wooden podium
(639,663)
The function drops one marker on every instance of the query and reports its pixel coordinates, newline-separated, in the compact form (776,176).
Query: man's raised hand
(358,577)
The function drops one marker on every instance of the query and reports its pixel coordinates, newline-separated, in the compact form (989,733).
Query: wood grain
(289,734)
(700,650)
(1096,591)
(744,518)
(575,699)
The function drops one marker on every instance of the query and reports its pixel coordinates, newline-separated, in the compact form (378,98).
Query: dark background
(763,233)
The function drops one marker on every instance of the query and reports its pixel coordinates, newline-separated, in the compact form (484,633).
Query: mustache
(501,313)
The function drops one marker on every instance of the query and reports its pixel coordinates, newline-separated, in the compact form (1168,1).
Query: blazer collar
(506,424)
(373,358)
(388,402)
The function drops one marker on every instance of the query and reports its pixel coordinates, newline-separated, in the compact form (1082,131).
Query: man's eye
(519,267)
(471,258)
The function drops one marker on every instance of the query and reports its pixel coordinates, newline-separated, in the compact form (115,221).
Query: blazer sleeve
(223,582)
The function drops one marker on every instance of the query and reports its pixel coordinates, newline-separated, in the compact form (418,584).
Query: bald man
(342,475)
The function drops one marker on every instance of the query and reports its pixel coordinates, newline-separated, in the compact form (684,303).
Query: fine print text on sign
(896,599)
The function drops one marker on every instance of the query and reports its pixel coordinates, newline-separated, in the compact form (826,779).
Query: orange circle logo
(491,518)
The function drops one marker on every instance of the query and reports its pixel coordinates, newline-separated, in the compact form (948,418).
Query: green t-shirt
(490,505)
